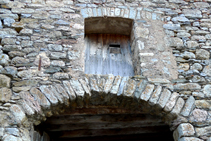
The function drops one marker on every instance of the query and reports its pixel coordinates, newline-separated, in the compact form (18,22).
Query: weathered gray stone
(202,54)
(5,94)
(12,16)
(1,25)
(166,94)
(189,105)
(77,88)
(1,132)
(142,32)
(183,35)
(146,94)
(8,41)
(62,92)
(116,84)
(27,109)
(12,48)
(26,43)
(187,86)
(57,63)
(4,59)
(180,19)
(207,69)
(73,55)
(10,138)
(25,83)
(158,80)
(176,42)
(184,129)
(203,131)
(109,83)
(49,94)
(201,4)
(4,81)
(56,94)
(12,131)
(19,89)
(155,96)
(198,38)
(54,47)
(172,101)
(18,113)
(207,90)
(129,88)
(69,90)
(197,66)
(26,32)
(86,86)
(22,11)
(8,21)
(192,13)
(61,75)
(45,61)
(122,85)
(7,32)
(58,55)
(199,115)
(171,26)
(19,60)
(178,107)
(62,22)
(42,100)
(203,104)
(188,55)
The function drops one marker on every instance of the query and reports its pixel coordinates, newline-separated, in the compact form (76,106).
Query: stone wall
(42,63)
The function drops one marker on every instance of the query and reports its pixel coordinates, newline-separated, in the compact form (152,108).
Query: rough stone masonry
(170,42)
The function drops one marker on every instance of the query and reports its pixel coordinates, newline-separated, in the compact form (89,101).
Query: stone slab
(109,83)
(189,105)
(155,95)
(166,94)
(146,94)
(49,94)
(129,88)
(116,85)
(42,100)
(172,101)
(69,90)
(18,113)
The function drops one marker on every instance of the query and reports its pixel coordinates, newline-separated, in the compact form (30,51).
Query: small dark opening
(115,48)
(114,45)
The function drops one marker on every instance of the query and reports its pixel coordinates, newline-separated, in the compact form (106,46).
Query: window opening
(114,48)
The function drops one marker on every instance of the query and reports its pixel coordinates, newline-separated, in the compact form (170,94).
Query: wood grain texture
(99,59)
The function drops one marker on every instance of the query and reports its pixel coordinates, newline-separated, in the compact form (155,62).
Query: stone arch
(24,112)
(135,93)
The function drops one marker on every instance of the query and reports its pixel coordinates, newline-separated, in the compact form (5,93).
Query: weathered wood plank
(125,131)
(99,59)
(75,119)
(114,125)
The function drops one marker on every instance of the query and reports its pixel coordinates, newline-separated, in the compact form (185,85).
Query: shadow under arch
(111,99)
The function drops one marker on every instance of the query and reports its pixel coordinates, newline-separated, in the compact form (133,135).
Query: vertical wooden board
(101,61)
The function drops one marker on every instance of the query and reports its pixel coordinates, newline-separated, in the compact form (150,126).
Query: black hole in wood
(114,48)
(114,45)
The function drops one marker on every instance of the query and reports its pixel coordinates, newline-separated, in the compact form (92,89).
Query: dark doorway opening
(106,125)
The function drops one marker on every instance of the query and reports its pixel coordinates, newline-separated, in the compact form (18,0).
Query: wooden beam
(114,125)
(110,132)
(73,119)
